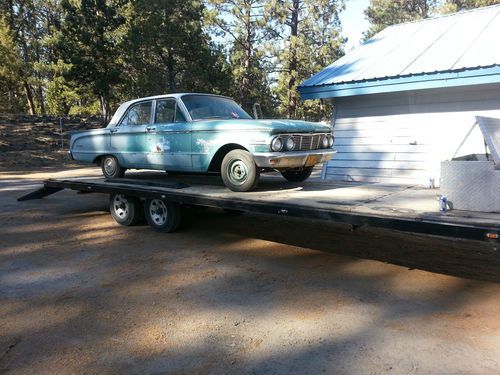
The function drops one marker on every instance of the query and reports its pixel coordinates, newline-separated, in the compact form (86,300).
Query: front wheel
(111,168)
(162,215)
(239,172)
(297,175)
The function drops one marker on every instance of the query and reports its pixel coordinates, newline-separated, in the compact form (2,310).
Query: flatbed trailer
(403,208)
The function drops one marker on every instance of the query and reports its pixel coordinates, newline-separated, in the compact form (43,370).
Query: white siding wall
(403,137)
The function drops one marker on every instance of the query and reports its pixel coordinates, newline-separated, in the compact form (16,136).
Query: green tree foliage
(10,66)
(383,13)
(452,6)
(243,24)
(309,39)
(167,50)
(92,32)
(25,22)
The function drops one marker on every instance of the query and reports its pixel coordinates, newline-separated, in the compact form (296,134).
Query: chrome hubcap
(110,166)
(158,211)
(121,206)
(237,172)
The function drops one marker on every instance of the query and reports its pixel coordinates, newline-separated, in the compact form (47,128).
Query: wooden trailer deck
(400,207)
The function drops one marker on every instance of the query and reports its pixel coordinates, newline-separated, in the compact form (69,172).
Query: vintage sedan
(203,133)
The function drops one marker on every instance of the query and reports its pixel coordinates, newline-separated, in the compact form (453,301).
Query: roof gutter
(466,77)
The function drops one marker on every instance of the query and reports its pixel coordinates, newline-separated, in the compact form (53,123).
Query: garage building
(407,99)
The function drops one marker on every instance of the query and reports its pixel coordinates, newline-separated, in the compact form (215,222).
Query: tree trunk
(171,72)
(29,98)
(292,63)
(246,99)
(41,99)
(104,106)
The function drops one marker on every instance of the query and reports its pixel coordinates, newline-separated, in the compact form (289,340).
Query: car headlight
(331,138)
(324,141)
(290,143)
(277,144)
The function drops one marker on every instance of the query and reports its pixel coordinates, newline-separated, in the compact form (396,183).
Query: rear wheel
(297,175)
(161,215)
(125,210)
(238,171)
(111,168)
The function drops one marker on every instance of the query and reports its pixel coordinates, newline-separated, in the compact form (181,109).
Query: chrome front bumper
(292,159)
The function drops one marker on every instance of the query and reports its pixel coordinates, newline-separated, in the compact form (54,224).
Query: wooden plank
(386,164)
(379,179)
(420,120)
(381,172)
(382,156)
(423,97)
(351,148)
(380,141)
(436,107)
(420,100)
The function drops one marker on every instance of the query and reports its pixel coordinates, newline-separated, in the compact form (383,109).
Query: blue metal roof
(454,50)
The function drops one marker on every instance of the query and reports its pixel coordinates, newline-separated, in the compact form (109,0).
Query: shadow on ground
(248,294)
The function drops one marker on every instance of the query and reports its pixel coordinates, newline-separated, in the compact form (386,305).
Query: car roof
(174,95)
(123,107)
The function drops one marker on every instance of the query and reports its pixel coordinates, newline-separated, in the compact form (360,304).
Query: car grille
(306,142)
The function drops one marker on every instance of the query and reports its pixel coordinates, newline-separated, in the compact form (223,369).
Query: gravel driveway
(227,294)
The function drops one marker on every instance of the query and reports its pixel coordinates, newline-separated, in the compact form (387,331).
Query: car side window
(138,114)
(168,112)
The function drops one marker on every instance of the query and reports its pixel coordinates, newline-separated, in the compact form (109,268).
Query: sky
(354,22)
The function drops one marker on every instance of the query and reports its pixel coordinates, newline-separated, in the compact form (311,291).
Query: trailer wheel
(162,216)
(125,210)
(297,175)
(238,171)
(111,168)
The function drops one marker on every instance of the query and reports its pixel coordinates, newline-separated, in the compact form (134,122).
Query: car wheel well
(216,162)
(98,159)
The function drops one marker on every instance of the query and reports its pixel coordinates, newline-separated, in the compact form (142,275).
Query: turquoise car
(203,133)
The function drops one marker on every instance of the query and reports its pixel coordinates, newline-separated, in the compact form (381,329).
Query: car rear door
(128,138)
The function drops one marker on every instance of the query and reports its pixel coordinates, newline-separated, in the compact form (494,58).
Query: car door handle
(150,128)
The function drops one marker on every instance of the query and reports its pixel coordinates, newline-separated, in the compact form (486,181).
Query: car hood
(271,126)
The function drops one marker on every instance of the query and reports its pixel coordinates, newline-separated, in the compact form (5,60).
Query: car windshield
(202,107)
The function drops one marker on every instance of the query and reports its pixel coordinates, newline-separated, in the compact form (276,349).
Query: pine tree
(452,6)
(243,23)
(383,13)
(10,66)
(23,20)
(91,35)
(168,51)
(309,39)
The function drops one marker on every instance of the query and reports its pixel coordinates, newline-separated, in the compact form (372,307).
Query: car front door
(169,143)
(128,138)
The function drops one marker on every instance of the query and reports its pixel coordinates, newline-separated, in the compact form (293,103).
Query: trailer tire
(125,210)
(161,215)
(238,171)
(297,175)
(111,167)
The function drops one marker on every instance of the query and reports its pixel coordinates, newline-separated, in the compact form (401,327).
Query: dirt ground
(44,138)
(226,294)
